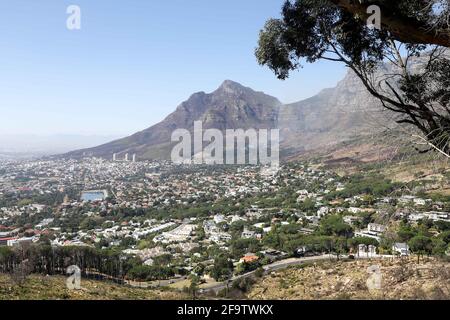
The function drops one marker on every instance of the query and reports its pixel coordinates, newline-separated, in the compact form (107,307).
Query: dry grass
(347,280)
(54,288)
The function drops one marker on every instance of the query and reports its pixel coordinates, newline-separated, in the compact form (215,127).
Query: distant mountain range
(28,145)
(334,115)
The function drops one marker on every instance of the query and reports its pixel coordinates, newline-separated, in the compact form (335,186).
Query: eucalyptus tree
(403,60)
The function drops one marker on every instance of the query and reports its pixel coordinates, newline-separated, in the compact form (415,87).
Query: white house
(420,202)
(247,234)
(376,228)
(323,211)
(367,251)
(218,218)
(354,210)
(401,249)
(351,219)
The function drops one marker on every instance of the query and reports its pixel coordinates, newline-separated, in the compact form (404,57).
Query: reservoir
(94,195)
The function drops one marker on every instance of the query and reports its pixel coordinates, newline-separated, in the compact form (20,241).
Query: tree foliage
(421,245)
(409,21)
(223,268)
(419,98)
(334,225)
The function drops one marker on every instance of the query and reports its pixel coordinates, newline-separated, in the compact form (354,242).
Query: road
(216,287)
(136,284)
(279,265)
(283,264)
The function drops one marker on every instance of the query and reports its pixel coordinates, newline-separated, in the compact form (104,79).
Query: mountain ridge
(332,116)
(231,105)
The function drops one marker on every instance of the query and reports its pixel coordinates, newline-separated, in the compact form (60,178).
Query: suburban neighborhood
(174,222)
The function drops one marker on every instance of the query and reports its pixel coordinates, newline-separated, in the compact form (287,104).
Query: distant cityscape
(190,215)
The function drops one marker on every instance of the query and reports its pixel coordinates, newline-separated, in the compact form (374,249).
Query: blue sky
(132,62)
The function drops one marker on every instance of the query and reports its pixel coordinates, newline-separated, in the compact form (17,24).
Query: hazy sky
(132,62)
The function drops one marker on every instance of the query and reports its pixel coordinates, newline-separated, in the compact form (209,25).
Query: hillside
(341,114)
(335,115)
(54,288)
(401,280)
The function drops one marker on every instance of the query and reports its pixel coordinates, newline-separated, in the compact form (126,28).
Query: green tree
(194,286)
(408,21)
(439,247)
(406,233)
(223,268)
(163,260)
(420,245)
(354,242)
(308,205)
(128,242)
(90,223)
(334,225)
(337,30)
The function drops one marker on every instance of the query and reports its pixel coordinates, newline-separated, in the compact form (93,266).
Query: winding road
(216,287)
(279,265)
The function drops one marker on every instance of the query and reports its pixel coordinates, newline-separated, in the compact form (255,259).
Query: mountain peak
(229,85)
(231,106)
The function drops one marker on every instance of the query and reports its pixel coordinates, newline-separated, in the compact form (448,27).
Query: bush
(244,284)
(150,273)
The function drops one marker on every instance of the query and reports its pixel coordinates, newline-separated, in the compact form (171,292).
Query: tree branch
(425,140)
(402,28)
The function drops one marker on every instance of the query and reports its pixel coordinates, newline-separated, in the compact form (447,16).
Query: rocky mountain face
(333,116)
(230,106)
